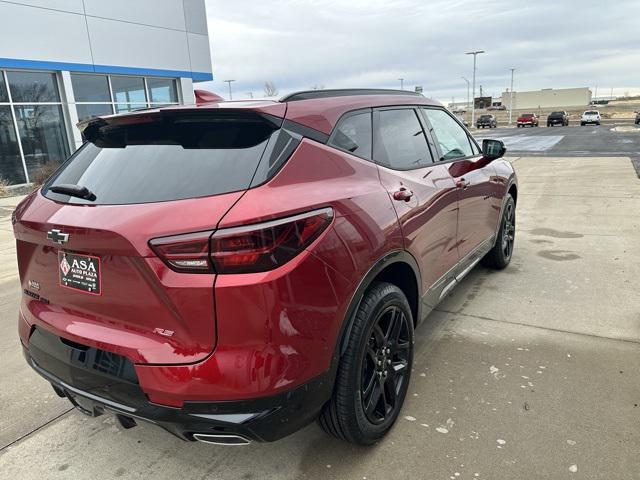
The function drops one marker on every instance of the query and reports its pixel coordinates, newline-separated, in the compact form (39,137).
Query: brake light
(265,246)
(188,253)
(247,249)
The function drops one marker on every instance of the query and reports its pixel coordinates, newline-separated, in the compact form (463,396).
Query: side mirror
(493,149)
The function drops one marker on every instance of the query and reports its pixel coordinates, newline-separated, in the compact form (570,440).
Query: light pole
(473,99)
(229,82)
(511,96)
(401,83)
(468,87)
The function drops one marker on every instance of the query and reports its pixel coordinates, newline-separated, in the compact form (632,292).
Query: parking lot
(528,373)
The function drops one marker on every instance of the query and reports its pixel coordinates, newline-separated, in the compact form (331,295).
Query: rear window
(165,160)
(527,115)
(557,113)
(485,117)
(591,112)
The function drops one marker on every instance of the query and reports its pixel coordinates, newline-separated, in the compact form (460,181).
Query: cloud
(298,44)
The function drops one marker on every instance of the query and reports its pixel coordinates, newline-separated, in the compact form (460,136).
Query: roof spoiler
(205,96)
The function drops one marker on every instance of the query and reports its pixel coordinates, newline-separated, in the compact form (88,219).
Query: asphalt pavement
(529,373)
(572,141)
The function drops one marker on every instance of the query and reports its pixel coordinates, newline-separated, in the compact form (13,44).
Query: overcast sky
(369,43)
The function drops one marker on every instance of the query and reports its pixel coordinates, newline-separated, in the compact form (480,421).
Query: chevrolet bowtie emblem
(56,236)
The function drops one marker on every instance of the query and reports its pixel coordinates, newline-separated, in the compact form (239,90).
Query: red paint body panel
(477,219)
(252,335)
(428,219)
(139,292)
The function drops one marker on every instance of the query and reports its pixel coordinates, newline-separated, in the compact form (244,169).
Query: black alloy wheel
(375,369)
(500,255)
(385,364)
(508,229)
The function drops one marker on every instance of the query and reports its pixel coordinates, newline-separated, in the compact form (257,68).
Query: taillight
(265,246)
(247,249)
(187,253)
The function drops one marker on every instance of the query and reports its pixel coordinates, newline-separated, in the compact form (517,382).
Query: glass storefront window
(41,130)
(128,90)
(90,88)
(4,97)
(129,107)
(11,168)
(33,135)
(93,110)
(33,87)
(162,90)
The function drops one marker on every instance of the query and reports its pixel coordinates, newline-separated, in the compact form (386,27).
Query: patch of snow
(442,430)
(410,418)
(573,468)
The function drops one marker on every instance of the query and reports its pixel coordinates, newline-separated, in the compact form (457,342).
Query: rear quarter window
(353,134)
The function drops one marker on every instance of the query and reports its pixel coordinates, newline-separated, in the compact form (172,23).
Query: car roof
(317,109)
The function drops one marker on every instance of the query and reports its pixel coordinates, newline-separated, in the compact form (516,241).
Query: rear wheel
(500,255)
(373,375)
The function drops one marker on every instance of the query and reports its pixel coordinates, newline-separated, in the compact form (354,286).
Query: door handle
(403,194)
(463,184)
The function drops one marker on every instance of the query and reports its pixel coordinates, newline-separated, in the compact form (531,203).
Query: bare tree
(317,87)
(270,89)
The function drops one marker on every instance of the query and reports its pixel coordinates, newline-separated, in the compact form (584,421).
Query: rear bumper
(97,382)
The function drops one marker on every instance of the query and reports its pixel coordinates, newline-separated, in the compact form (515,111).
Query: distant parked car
(458,110)
(558,118)
(590,116)
(637,120)
(530,119)
(462,120)
(497,107)
(487,121)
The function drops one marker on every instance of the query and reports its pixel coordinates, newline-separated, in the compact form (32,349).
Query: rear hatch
(86,263)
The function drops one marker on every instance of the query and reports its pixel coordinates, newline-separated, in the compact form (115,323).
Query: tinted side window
(353,134)
(400,142)
(452,138)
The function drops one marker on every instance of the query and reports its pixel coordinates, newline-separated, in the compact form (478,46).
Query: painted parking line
(529,143)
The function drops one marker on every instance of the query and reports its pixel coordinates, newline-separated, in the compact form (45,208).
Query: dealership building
(548,98)
(63,61)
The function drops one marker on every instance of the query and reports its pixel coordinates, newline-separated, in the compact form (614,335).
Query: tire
(373,367)
(500,255)
(582,124)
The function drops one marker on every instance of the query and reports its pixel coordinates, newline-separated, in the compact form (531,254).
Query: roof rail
(343,92)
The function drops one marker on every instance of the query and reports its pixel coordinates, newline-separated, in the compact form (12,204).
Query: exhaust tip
(221,439)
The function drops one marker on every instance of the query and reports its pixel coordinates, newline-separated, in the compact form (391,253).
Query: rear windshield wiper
(74,191)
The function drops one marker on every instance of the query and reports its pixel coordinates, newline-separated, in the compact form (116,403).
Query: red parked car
(530,119)
(232,271)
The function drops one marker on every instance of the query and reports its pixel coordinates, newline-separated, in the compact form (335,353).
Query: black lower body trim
(94,392)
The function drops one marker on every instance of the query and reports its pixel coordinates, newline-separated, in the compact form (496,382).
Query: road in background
(590,140)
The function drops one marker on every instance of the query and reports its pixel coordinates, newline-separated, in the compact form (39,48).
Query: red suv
(231,271)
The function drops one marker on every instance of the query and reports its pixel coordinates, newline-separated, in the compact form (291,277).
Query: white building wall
(145,39)
(549,98)
(150,37)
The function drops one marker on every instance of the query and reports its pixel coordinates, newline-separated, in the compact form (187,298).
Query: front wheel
(500,255)
(374,372)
